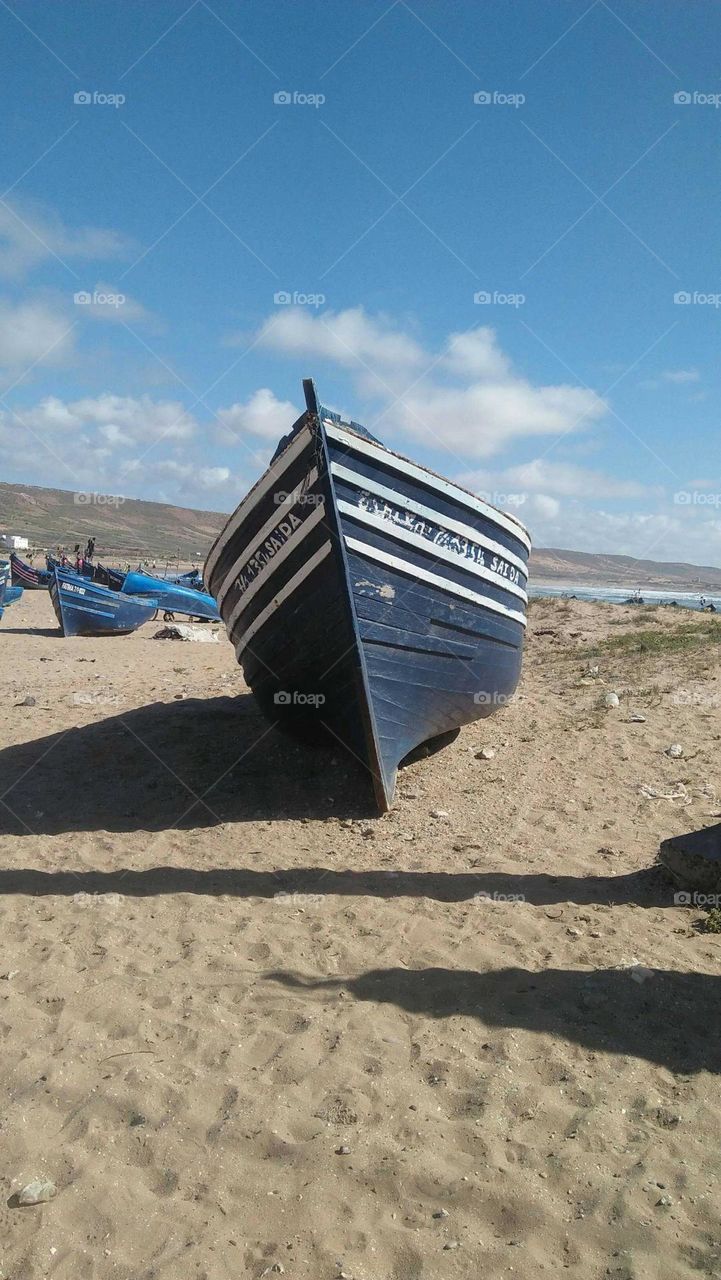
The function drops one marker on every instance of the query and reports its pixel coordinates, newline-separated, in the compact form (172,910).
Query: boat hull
(85,608)
(174,597)
(368,598)
(27,576)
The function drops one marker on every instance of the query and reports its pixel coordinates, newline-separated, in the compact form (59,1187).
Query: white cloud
(122,418)
(671,534)
(492,406)
(479,420)
(261,415)
(677,376)
(544,506)
(32,332)
(31,234)
(348,338)
(120,444)
(476,354)
(569,480)
(107,302)
(681,375)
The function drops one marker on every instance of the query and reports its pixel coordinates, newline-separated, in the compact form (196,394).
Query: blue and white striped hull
(368,598)
(27,576)
(85,608)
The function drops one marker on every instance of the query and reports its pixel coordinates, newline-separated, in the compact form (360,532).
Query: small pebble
(342,1151)
(441,1213)
(675,751)
(610,700)
(485,753)
(439,813)
(38,1191)
(636,718)
(26,702)
(452,1244)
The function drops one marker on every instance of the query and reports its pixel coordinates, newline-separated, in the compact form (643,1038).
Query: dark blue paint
(371,654)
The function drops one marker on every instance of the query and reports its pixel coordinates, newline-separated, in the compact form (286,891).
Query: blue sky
(497,225)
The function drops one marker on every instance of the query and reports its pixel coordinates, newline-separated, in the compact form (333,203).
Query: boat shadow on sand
(183,764)
(663,1018)
(650,888)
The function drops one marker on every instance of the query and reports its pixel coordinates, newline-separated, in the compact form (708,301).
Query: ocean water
(621,595)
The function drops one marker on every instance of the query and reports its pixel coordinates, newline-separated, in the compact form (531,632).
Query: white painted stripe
(423,575)
(408,504)
(287,549)
(259,490)
(437,553)
(407,468)
(278,600)
(275,518)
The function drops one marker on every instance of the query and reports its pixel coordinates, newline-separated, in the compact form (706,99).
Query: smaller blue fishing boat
(191,578)
(86,608)
(173,597)
(8,593)
(26,575)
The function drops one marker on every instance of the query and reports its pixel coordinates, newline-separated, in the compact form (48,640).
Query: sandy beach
(249,1028)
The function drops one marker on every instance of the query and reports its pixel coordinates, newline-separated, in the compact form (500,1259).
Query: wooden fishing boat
(8,593)
(27,575)
(172,596)
(85,608)
(368,598)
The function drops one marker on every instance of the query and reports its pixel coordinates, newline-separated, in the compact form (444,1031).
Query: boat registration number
(440,537)
(70,586)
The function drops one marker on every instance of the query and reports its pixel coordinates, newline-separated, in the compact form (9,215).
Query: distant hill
(128,529)
(552,565)
(125,527)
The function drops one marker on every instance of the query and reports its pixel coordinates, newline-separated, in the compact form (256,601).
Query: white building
(14,542)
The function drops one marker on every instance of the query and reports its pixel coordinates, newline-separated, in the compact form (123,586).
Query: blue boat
(27,576)
(191,578)
(85,608)
(173,597)
(368,599)
(8,593)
